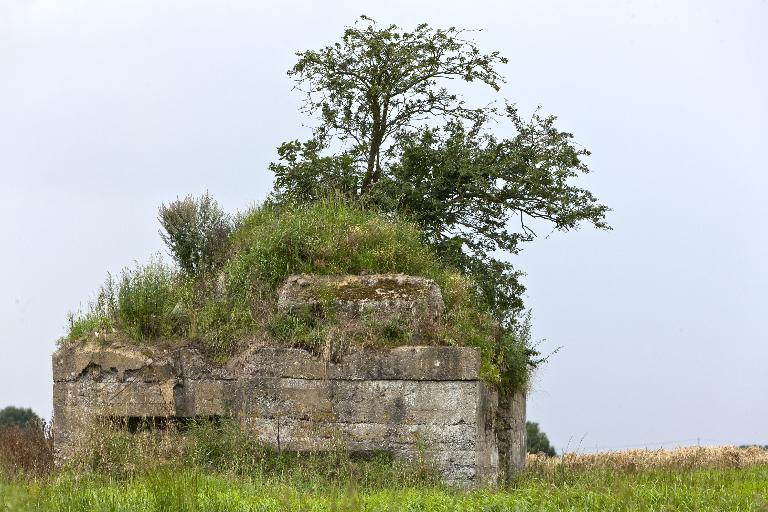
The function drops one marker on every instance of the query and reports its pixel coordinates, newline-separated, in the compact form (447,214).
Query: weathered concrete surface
(511,433)
(382,296)
(410,401)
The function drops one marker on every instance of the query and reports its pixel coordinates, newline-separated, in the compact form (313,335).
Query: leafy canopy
(18,417)
(393,135)
(369,88)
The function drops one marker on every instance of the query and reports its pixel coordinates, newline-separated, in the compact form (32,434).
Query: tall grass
(26,450)
(141,304)
(707,485)
(217,466)
(225,446)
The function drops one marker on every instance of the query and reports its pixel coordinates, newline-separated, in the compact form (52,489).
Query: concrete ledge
(401,363)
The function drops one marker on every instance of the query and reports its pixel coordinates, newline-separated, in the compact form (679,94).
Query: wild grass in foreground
(693,479)
(591,490)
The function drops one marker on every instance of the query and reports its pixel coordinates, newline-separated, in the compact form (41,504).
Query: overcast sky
(109,108)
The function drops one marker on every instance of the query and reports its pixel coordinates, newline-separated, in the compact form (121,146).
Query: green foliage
(537,441)
(393,135)
(475,195)
(18,417)
(367,89)
(110,449)
(328,238)
(196,231)
(334,236)
(326,335)
(224,445)
(101,316)
(395,331)
(87,324)
(297,328)
(517,354)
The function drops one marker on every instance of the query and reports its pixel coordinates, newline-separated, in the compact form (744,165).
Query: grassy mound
(235,304)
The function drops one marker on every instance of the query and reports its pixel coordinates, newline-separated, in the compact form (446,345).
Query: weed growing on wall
(143,304)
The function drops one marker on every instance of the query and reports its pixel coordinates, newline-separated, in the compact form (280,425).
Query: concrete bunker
(410,401)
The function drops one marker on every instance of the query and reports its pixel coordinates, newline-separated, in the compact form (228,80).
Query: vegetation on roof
(227,300)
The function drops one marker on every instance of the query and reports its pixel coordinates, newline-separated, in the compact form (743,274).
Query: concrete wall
(409,401)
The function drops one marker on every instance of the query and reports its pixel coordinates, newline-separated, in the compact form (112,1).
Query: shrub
(18,417)
(518,355)
(196,232)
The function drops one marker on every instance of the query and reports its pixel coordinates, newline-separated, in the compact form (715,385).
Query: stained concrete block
(382,296)
(413,402)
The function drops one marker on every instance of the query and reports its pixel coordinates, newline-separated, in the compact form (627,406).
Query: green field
(593,490)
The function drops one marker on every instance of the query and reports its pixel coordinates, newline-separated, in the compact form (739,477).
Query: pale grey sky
(108,108)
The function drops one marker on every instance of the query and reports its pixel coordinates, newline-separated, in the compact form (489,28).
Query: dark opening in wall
(135,424)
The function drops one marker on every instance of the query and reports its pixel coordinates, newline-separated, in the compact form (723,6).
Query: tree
(393,136)
(467,188)
(372,86)
(17,417)
(537,441)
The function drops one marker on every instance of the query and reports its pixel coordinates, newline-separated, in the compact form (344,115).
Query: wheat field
(693,457)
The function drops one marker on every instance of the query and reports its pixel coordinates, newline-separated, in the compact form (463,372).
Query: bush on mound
(235,303)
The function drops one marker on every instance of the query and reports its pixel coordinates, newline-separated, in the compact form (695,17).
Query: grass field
(697,479)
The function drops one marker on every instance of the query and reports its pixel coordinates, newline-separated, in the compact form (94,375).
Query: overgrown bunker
(410,401)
